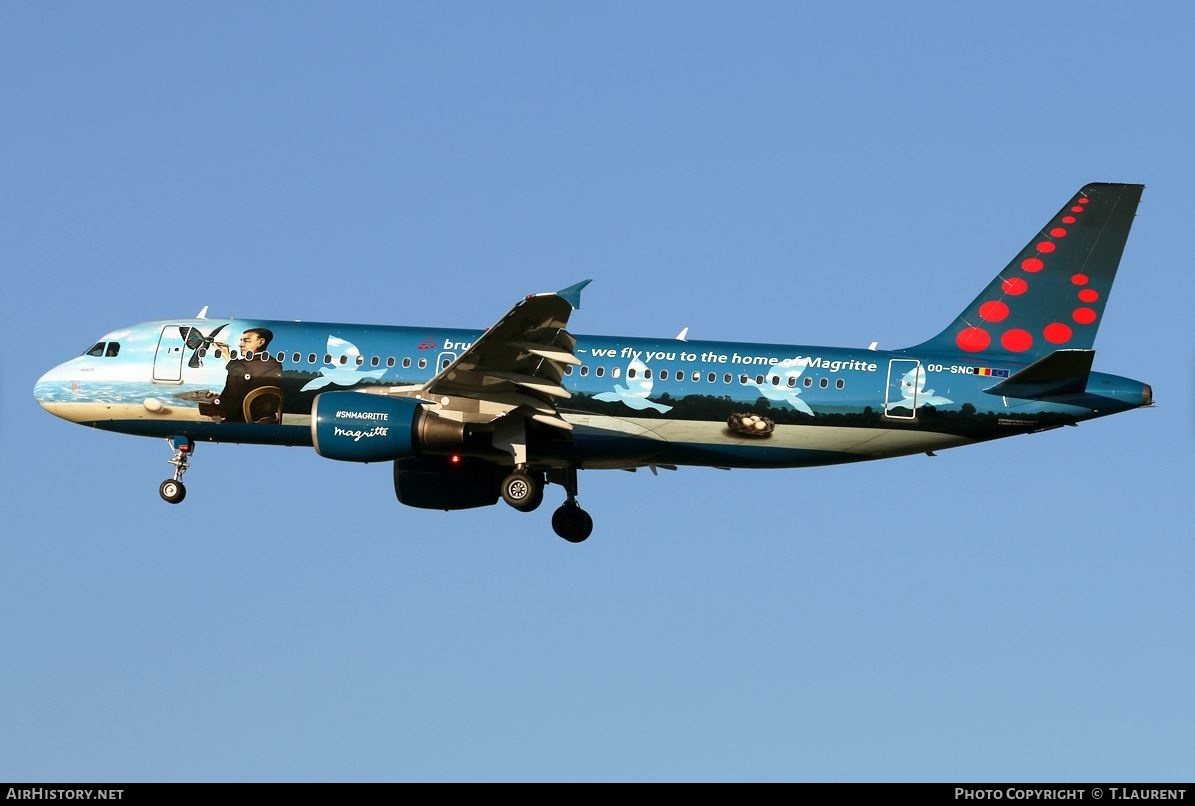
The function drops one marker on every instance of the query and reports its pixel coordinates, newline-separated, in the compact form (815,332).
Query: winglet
(572,294)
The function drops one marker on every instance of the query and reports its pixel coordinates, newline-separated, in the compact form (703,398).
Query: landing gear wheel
(172,491)
(571,522)
(522,491)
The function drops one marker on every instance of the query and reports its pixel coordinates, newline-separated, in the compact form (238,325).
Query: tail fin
(1052,295)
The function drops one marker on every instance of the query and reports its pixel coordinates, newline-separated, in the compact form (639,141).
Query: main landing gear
(524,491)
(172,490)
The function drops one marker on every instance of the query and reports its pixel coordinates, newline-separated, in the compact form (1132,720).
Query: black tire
(572,523)
(522,491)
(172,491)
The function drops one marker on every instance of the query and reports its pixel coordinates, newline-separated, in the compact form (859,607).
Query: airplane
(468,417)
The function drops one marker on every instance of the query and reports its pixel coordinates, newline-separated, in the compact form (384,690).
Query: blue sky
(773,172)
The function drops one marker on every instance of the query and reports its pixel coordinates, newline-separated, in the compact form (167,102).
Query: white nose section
(56,387)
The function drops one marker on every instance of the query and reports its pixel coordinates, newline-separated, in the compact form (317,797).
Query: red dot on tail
(1076,209)
(1057,333)
(1084,201)
(1068,219)
(1079,279)
(1058,232)
(1015,286)
(1016,341)
(1045,247)
(1088,295)
(973,339)
(1032,264)
(1084,316)
(993,311)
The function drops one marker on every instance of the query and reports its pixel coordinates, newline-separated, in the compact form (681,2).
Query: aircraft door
(443,360)
(168,360)
(905,378)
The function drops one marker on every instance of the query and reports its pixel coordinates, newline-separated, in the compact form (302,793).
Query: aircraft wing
(517,364)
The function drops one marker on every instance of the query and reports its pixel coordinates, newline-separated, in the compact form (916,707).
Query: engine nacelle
(357,427)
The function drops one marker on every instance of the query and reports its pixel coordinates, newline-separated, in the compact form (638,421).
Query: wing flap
(518,364)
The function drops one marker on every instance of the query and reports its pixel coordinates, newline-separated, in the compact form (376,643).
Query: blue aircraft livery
(468,417)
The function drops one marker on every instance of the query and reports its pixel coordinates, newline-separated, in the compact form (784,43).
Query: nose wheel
(172,490)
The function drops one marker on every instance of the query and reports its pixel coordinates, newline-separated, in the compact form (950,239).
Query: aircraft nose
(52,387)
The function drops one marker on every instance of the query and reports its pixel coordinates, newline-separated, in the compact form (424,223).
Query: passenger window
(792,381)
(712,377)
(233,353)
(96,351)
(311,358)
(584,371)
(327,358)
(775,380)
(375,361)
(614,373)
(281,356)
(296,358)
(840,383)
(406,363)
(759,380)
(344,359)
(808,382)
(444,364)
(823,383)
(390,361)
(568,369)
(727,378)
(696,377)
(743,379)
(631,372)
(664,374)
(423,363)
(647,374)
(361,360)
(113,349)
(600,371)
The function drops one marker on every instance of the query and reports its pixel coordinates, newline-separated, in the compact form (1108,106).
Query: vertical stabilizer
(1052,295)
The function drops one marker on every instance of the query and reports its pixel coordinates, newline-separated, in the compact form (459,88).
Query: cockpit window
(97,350)
(113,349)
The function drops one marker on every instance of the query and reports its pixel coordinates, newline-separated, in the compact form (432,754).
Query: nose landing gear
(172,490)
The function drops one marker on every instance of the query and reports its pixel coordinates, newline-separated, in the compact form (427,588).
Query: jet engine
(358,427)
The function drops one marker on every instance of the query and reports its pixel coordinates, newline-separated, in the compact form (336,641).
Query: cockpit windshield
(102,349)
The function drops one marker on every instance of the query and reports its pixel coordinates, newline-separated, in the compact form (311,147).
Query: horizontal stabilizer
(1060,374)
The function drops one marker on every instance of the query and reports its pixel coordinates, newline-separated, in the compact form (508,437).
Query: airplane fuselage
(468,417)
(633,401)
